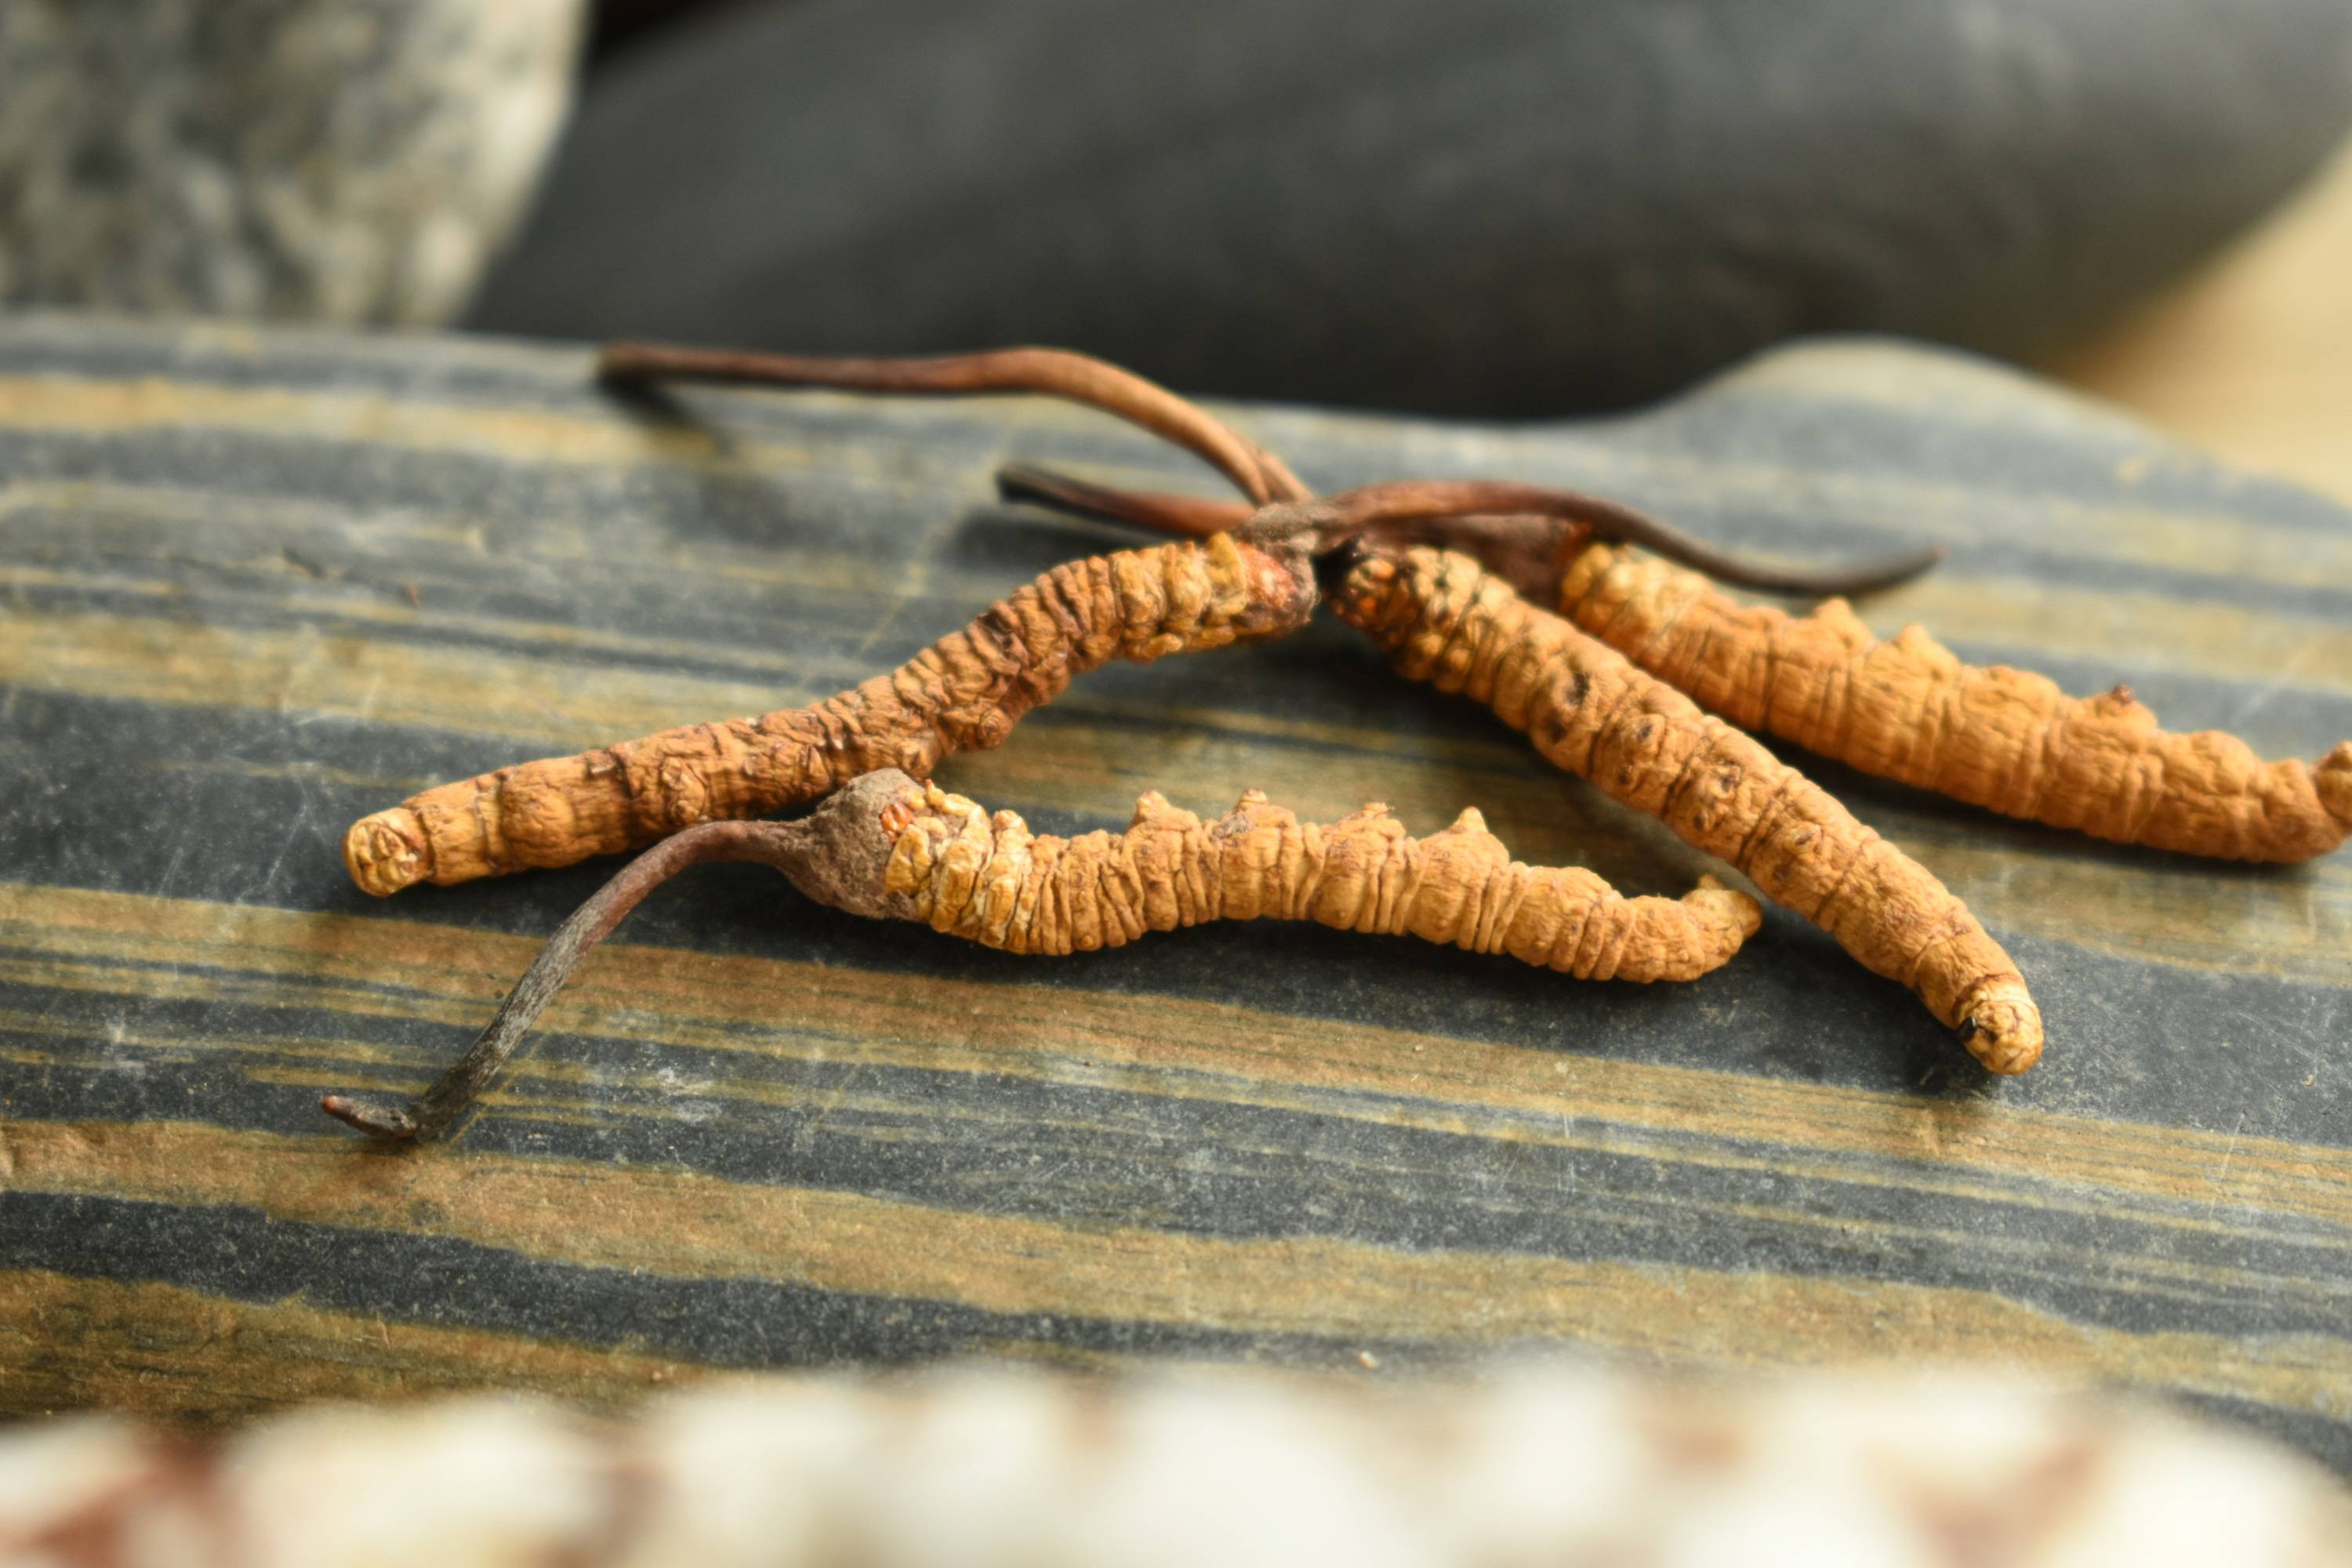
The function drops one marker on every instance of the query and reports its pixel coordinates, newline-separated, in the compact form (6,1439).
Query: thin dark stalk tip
(438,1109)
(1023,482)
(1053,373)
(617,364)
(382,1120)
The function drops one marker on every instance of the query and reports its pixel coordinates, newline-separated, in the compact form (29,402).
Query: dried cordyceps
(1522,534)
(1053,372)
(888,848)
(1444,618)
(1960,972)
(965,691)
(1908,709)
(1911,709)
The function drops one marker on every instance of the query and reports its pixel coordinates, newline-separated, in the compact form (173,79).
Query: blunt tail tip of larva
(1745,912)
(385,852)
(2334,778)
(2003,1029)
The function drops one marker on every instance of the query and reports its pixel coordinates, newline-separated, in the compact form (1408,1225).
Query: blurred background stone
(329,160)
(1523,208)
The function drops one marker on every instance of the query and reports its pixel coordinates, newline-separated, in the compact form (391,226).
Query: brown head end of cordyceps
(837,855)
(1442,618)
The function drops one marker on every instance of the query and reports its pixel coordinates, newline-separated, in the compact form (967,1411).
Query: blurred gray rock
(1521,207)
(332,160)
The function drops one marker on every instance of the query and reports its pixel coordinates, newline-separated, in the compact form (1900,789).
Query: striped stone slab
(257,584)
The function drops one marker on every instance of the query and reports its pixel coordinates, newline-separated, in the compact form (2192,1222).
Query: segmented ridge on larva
(989,879)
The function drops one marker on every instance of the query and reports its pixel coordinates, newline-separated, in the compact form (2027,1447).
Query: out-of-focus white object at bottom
(1519,1465)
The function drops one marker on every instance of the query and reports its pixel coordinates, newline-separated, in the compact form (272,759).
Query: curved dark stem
(1524,532)
(1057,372)
(1194,516)
(433,1112)
(1432,500)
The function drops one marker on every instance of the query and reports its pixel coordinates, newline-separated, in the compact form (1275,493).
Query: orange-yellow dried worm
(1911,709)
(987,877)
(1443,618)
(965,691)
(888,848)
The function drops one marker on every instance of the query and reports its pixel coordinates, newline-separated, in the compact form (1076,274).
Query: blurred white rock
(344,161)
(1523,1464)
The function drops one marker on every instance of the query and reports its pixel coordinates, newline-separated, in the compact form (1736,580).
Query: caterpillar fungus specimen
(1443,618)
(1664,758)
(1906,708)
(1911,709)
(965,691)
(888,847)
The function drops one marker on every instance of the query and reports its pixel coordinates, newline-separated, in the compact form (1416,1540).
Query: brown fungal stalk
(888,847)
(1053,373)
